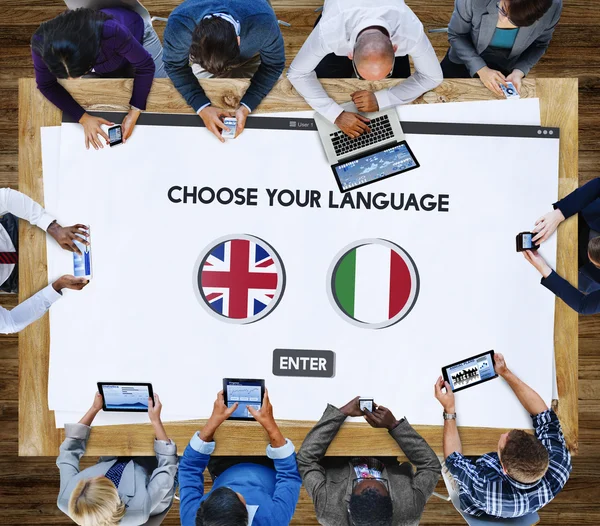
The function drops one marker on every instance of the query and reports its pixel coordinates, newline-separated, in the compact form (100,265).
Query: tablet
(470,372)
(129,396)
(245,392)
(373,166)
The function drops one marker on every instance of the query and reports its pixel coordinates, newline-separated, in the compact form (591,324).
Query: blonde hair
(96,502)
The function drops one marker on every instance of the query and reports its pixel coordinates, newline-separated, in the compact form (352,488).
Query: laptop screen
(374,166)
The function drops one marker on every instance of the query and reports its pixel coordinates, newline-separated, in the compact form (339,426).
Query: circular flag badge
(239,278)
(373,283)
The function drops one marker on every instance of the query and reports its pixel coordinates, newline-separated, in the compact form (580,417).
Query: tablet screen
(245,393)
(375,166)
(470,372)
(122,397)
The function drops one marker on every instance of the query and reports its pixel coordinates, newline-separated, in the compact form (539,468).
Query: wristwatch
(449,416)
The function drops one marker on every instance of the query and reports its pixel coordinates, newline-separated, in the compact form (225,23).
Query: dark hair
(69,44)
(370,508)
(214,45)
(524,457)
(523,13)
(222,508)
(594,249)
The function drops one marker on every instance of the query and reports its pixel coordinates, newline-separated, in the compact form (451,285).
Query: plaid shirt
(485,489)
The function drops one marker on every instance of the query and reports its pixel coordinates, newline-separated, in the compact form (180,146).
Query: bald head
(373,54)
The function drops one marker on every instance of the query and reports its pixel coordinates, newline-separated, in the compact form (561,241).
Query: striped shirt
(485,489)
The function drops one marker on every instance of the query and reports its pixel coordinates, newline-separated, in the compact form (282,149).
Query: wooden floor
(28,487)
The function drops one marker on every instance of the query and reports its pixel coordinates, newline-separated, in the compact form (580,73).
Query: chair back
(134,5)
(526,520)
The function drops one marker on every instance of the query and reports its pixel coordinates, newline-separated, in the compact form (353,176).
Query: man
(367,491)
(372,40)
(586,202)
(223,39)
(527,471)
(254,491)
(13,203)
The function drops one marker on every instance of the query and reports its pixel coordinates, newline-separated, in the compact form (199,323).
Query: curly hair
(370,508)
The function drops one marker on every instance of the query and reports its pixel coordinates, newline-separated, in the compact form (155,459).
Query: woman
(116,490)
(113,42)
(499,40)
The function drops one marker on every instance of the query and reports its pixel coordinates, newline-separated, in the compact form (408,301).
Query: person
(126,491)
(14,204)
(111,42)
(499,41)
(584,201)
(367,491)
(524,474)
(245,491)
(372,40)
(236,39)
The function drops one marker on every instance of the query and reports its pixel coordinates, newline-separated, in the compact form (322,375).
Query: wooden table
(37,433)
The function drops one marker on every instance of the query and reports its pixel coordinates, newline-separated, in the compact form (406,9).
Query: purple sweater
(120,45)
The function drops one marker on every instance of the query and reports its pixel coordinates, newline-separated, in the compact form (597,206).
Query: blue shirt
(485,489)
(259,34)
(275,492)
(504,38)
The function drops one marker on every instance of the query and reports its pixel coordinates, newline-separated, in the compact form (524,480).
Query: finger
(220,124)
(87,143)
(150,404)
(75,248)
(363,118)
(104,121)
(252,411)
(216,133)
(103,133)
(82,238)
(92,142)
(220,396)
(447,386)
(95,141)
(232,409)
(369,418)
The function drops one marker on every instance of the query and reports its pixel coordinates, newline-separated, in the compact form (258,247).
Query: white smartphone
(510,92)
(231,123)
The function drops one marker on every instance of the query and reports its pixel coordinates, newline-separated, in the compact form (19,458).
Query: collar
(497,466)
(252,509)
(368,22)
(229,19)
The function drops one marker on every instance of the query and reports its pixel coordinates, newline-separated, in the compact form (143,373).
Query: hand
(98,403)
(154,409)
(492,79)
(211,117)
(69,282)
(241,115)
(365,101)
(352,408)
(538,262)
(447,398)
(500,364)
(516,77)
(219,414)
(264,416)
(129,123)
(88,418)
(92,128)
(546,225)
(65,235)
(352,124)
(381,417)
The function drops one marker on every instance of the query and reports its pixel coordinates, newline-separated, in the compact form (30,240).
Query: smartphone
(231,123)
(115,135)
(510,92)
(525,241)
(82,264)
(366,404)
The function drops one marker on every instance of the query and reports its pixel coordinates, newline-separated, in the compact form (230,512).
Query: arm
(313,450)
(30,310)
(531,56)
(191,477)
(303,77)
(459,36)
(578,301)
(577,200)
(427,76)
(177,40)
(445,396)
(272,61)
(530,400)
(24,207)
(287,482)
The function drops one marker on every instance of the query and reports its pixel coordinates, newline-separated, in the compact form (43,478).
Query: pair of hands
(213,120)
(92,128)
(353,124)
(66,237)
(544,227)
(154,407)
(492,79)
(380,417)
(446,398)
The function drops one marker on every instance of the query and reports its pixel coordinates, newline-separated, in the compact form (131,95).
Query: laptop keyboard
(381,130)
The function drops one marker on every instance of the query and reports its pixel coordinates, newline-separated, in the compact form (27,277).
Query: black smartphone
(245,392)
(366,404)
(470,372)
(115,135)
(125,396)
(525,241)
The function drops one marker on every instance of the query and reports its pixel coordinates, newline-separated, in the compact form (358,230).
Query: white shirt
(27,312)
(336,32)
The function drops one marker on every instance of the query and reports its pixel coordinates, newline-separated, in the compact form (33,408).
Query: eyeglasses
(389,75)
(503,12)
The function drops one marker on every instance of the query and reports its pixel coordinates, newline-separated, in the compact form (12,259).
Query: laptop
(373,156)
